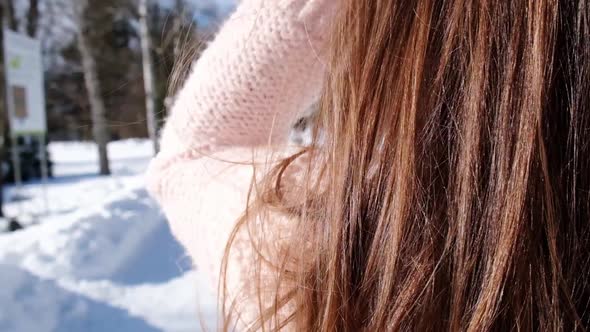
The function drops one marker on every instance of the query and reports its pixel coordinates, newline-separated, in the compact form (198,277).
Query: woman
(447,186)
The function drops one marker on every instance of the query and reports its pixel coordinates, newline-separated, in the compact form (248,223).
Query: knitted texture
(261,71)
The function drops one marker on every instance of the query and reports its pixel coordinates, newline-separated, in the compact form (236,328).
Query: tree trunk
(10,15)
(33,18)
(148,74)
(99,125)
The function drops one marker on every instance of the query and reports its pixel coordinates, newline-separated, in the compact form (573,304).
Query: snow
(102,257)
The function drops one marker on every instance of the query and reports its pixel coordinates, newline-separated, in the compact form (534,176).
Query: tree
(113,28)
(33,18)
(9,15)
(97,107)
(148,74)
(69,20)
(177,42)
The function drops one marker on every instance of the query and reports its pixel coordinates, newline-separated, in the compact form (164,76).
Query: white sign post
(25,96)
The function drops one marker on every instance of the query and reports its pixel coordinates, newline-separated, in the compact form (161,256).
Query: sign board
(24,84)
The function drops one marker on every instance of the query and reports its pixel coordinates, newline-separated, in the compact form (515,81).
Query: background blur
(82,246)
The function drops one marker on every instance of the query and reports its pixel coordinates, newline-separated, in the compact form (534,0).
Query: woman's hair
(448,185)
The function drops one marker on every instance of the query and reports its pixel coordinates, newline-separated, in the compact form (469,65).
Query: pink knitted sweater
(264,67)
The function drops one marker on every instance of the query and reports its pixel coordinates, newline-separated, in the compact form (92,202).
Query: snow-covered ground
(99,256)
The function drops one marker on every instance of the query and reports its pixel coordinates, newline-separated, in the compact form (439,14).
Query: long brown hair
(448,186)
